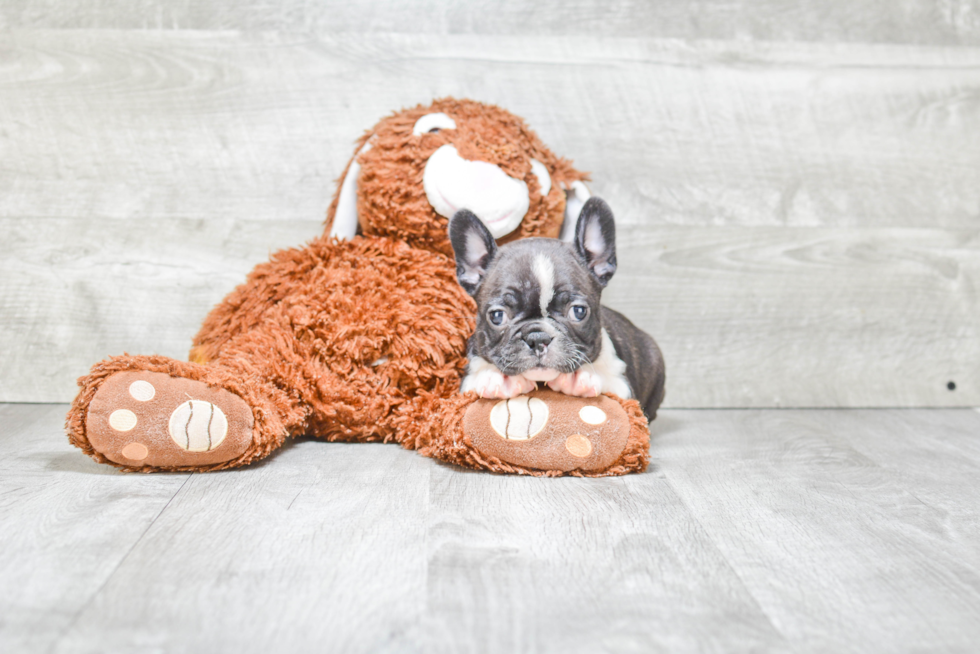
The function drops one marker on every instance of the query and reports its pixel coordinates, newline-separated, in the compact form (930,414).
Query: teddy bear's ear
(344,223)
(576,194)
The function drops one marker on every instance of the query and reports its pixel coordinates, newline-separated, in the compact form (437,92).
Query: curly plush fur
(364,340)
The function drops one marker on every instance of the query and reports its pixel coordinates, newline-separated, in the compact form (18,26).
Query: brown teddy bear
(361,334)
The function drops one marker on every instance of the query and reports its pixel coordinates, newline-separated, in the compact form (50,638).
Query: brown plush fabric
(361,340)
(440,433)
(330,310)
(268,408)
(145,418)
(389,202)
(549,434)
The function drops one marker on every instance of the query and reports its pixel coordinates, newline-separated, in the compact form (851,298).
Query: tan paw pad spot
(578,445)
(135,451)
(122,420)
(519,418)
(142,391)
(198,426)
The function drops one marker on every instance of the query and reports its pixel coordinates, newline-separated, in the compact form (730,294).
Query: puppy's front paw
(496,385)
(581,383)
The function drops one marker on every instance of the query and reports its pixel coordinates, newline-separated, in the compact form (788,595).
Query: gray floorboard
(575,565)
(779,530)
(843,553)
(66,525)
(322,547)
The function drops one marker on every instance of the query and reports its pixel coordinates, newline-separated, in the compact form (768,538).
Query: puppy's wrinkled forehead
(532,273)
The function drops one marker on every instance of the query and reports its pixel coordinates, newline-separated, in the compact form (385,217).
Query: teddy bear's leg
(152,413)
(337,340)
(268,382)
(542,433)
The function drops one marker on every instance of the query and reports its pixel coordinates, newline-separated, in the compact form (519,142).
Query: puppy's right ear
(474,248)
(595,239)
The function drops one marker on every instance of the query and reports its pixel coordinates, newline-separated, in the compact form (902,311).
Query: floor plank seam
(728,564)
(105,582)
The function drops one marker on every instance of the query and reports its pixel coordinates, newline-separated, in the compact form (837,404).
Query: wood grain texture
(784,317)
(754,531)
(204,125)
(557,565)
(818,202)
(747,317)
(76,291)
(66,525)
(856,531)
(321,548)
(877,21)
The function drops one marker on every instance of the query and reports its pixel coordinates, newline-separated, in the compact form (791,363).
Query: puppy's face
(538,299)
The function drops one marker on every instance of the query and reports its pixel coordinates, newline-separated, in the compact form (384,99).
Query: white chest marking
(611,369)
(544,270)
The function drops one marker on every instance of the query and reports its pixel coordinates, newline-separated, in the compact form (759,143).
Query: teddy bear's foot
(152,420)
(546,431)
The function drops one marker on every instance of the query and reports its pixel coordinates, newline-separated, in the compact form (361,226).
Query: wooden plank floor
(755,530)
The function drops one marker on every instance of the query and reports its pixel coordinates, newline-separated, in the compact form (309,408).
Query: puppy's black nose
(538,342)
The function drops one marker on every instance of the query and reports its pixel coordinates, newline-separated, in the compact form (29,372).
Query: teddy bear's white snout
(452,183)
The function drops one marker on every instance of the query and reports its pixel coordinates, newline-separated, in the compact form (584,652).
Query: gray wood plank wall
(797,188)
(950,22)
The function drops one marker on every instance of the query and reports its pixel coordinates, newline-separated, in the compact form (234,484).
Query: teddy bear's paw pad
(152,419)
(545,430)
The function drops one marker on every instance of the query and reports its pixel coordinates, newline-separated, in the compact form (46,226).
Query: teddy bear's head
(414,169)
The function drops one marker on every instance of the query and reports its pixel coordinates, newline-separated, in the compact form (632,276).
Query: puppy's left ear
(595,239)
(474,248)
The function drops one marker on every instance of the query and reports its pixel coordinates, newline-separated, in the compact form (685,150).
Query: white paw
(496,385)
(581,383)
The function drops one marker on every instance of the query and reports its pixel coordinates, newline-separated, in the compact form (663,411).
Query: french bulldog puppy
(539,318)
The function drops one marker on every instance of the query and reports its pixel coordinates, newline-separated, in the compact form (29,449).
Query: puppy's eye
(578,312)
(496,317)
